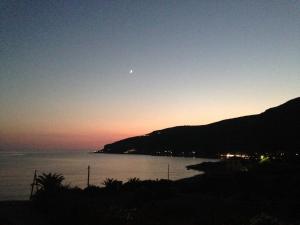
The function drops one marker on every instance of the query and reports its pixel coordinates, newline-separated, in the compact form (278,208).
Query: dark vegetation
(232,192)
(275,130)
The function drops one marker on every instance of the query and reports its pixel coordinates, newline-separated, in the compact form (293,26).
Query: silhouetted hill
(275,130)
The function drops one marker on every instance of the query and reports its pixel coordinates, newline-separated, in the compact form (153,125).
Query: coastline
(249,188)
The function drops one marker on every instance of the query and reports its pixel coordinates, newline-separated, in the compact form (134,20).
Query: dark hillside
(275,130)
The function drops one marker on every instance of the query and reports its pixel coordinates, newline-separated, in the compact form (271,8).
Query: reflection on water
(16,169)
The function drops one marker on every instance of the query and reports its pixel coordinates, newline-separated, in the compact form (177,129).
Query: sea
(17,169)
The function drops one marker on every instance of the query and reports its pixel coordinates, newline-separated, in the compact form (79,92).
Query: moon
(131,71)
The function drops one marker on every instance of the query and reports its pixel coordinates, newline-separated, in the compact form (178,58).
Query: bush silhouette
(112,184)
(132,184)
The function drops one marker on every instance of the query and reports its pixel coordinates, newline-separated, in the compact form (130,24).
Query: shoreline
(249,188)
(161,155)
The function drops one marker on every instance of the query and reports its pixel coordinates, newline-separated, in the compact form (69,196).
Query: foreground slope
(275,130)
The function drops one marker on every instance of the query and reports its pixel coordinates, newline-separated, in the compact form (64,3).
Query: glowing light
(264,159)
(228,155)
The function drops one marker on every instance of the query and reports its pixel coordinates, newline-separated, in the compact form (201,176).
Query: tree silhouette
(49,181)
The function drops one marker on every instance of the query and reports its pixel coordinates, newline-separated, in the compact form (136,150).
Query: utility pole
(88,178)
(32,185)
(168,171)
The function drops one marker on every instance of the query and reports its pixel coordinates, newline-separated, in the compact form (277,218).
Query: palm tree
(49,181)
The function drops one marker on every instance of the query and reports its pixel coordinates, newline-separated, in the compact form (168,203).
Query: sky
(75,75)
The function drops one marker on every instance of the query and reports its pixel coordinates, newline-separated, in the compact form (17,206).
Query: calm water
(16,169)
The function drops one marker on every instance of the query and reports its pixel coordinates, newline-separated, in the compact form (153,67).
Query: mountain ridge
(273,130)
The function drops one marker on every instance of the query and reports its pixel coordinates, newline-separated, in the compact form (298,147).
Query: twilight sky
(65,80)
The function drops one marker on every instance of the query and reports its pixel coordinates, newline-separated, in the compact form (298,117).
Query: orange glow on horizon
(79,132)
